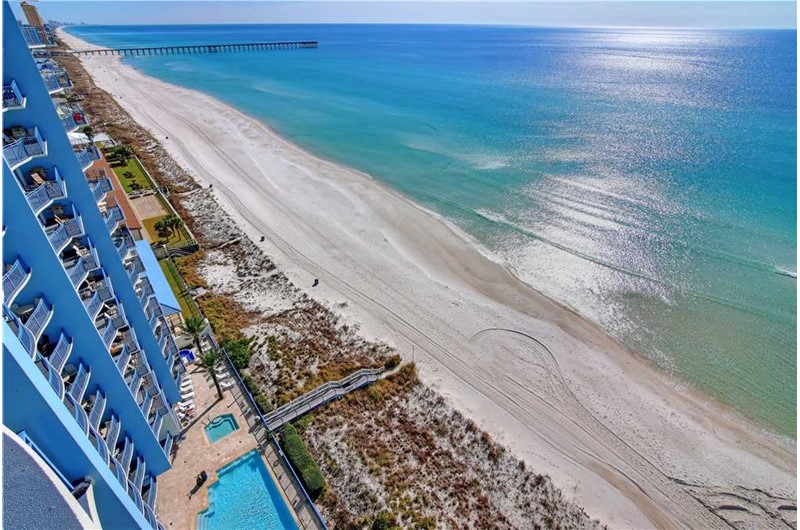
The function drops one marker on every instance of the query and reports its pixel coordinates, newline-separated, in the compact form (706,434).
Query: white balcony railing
(24,149)
(12,97)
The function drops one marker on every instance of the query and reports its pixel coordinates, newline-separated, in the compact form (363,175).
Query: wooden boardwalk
(200,48)
(321,395)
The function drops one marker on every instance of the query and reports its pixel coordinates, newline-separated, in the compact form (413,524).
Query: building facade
(91,371)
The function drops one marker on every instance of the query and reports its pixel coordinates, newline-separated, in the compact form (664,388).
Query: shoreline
(410,277)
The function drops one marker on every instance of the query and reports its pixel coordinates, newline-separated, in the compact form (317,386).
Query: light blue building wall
(91,370)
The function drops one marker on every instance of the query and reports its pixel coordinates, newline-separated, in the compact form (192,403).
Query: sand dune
(633,447)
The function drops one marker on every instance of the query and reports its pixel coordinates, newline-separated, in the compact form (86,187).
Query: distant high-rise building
(32,15)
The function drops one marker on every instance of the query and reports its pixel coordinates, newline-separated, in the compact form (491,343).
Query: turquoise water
(220,427)
(244,498)
(646,178)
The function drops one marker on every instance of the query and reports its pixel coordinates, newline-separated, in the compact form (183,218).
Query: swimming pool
(245,497)
(220,427)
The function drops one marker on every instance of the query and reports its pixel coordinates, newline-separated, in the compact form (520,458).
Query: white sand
(611,431)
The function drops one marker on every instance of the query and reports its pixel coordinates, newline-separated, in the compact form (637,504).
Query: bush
(251,385)
(392,362)
(263,404)
(239,351)
(298,455)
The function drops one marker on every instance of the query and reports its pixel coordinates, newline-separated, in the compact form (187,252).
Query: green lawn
(138,180)
(175,238)
(187,303)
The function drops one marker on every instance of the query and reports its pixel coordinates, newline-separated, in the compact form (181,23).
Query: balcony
(145,292)
(80,263)
(12,97)
(51,360)
(22,146)
(62,231)
(113,326)
(71,117)
(52,375)
(112,218)
(167,444)
(124,244)
(87,156)
(32,37)
(135,268)
(29,321)
(99,187)
(15,277)
(42,189)
(95,295)
(74,397)
(113,430)
(55,79)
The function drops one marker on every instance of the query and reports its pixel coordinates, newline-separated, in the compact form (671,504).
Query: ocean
(646,178)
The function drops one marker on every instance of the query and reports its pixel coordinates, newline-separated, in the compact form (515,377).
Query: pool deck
(195,453)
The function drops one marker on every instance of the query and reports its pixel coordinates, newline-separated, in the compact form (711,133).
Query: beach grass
(186,302)
(132,175)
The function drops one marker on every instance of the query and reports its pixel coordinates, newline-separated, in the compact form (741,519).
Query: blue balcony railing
(78,272)
(77,412)
(14,279)
(53,376)
(87,156)
(23,149)
(22,333)
(111,329)
(124,245)
(99,188)
(112,218)
(47,192)
(32,37)
(12,96)
(64,232)
(56,80)
(39,319)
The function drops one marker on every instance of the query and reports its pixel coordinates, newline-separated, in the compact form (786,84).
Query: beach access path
(632,446)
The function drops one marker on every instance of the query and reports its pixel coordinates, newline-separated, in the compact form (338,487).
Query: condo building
(91,370)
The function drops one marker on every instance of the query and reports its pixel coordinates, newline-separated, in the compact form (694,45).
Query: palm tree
(175,223)
(209,363)
(194,326)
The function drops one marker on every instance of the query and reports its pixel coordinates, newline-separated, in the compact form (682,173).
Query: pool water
(245,497)
(220,427)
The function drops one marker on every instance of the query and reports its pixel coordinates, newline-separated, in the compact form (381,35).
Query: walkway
(321,395)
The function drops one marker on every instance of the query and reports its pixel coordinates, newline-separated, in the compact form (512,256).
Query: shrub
(263,404)
(251,385)
(298,455)
(239,351)
(392,362)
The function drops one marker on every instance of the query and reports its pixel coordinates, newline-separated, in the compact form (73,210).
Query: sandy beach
(633,447)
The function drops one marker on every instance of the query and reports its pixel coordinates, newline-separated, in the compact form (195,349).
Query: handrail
(328,391)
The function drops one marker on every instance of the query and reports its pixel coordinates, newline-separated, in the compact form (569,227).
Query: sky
(556,13)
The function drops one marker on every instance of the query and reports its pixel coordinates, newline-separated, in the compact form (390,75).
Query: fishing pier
(200,48)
